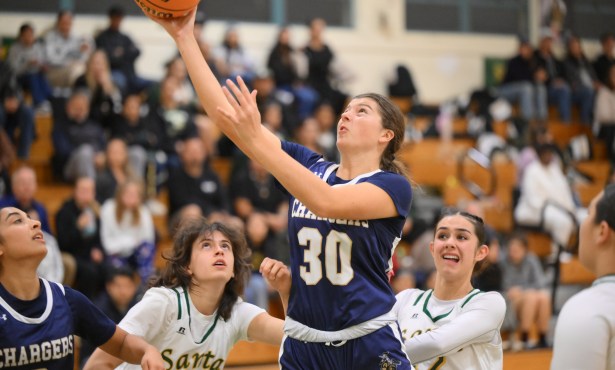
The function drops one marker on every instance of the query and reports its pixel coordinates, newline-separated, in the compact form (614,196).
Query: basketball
(167,8)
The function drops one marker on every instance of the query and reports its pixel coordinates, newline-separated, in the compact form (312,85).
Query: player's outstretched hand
(277,275)
(245,119)
(178,26)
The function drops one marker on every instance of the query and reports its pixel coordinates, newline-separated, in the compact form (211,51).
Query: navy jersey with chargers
(40,334)
(339,267)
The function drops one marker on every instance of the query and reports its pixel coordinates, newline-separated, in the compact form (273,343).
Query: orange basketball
(167,8)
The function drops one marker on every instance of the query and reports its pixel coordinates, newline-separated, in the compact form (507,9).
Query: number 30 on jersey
(337,248)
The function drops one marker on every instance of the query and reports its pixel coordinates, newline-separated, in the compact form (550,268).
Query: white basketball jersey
(187,339)
(462,334)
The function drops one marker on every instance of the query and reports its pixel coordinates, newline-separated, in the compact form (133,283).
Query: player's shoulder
(491,300)
(243,310)
(409,296)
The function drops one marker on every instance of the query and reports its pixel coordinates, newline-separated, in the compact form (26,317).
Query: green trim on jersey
(426,311)
(211,328)
(418,299)
(472,295)
(179,304)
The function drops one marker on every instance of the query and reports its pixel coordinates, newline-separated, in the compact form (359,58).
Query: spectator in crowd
(307,134)
(105,96)
(24,186)
(525,288)
(606,59)
(558,90)
(288,67)
(185,95)
(127,230)
(7,156)
(65,53)
(117,170)
(320,58)
(232,59)
(79,236)
(132,128)
(27,58)
(327,124)
(119,295)
(581,77)
(546,199)
(170,122)
(16,117)
(79,140)
(194,185)
(122,53)
(537,136)
(524,83)
(604,114)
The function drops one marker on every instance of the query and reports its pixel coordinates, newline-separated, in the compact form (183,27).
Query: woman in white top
(585,329)
(193,314)
(453,326)
(127,229)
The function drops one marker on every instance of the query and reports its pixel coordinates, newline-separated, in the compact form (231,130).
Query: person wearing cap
(122,53)
(585,329)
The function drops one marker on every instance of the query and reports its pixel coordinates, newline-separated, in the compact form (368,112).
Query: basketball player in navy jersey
(40,319)
(345,219)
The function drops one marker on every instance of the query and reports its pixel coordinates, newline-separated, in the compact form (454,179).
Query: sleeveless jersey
(466,331)
(187,339)
(39,334)
(339,267)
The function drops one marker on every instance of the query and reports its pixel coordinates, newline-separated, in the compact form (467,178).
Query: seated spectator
(65,54)
(327,122)
(105,97)
(17,120)
(7,156)
(268,94)
(78,140)
(119,295)
(606,59)
(127,230)
(24,185)
(79,236)
(604,114)
(132,128)
(122,53)
(169,122)
(117,169)
(581,77)
(546,200)
(232,59)
(288,67)
(27,58)
(523,83)
(537,136)
(194,186)
(307,134)
(558,90)
(525,286)
(185,95)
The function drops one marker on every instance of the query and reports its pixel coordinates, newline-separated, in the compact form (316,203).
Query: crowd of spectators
(121,140)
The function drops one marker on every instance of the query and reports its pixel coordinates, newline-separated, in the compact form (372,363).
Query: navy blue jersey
(39,334)
(339,267)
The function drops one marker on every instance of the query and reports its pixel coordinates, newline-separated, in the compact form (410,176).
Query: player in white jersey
(194,314)
(453,326)
(585,329)
(39,319)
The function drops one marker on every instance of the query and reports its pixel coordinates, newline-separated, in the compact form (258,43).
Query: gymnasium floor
(527,360)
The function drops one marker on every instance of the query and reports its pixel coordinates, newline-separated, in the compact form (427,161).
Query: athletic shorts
(380,350)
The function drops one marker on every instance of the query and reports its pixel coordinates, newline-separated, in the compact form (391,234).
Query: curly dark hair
(175,273)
